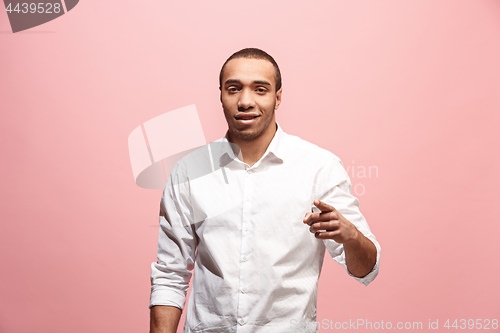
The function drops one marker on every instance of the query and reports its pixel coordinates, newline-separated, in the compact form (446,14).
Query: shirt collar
(277,147)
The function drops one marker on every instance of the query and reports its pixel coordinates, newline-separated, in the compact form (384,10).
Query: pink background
(410,87)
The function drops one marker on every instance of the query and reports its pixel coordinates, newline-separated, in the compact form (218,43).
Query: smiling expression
(249,98)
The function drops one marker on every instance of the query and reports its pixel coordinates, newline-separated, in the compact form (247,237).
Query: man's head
(250,85)
(253,53)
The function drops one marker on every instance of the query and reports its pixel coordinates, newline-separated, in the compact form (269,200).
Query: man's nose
(246,100)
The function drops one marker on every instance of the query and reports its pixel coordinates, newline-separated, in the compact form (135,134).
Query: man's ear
(278,98)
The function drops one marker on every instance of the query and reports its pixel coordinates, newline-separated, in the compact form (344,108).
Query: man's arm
(360,252)
(164,319)
(171,274)
(360,255)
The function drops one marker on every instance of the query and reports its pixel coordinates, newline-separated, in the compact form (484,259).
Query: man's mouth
(246,116)
(246,119)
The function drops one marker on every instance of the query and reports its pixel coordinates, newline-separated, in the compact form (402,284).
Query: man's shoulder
(300,147)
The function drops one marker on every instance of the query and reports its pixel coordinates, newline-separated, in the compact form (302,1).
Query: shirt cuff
(161,295)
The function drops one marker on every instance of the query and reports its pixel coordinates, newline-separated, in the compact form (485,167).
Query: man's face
(249,97)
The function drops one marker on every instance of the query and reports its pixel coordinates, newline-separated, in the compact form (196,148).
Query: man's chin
(247,134)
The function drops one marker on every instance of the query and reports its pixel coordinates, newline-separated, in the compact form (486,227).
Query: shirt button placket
(245,268)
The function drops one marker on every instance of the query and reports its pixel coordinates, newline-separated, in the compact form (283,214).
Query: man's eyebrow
(265,83)
(231,81)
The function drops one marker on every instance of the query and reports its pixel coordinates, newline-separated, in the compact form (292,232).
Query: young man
(246,227)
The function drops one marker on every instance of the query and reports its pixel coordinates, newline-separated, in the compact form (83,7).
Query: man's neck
(252,151)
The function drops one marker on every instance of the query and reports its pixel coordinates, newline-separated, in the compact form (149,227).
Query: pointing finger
(324,207)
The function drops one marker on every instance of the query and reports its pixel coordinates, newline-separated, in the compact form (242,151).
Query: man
(243,225)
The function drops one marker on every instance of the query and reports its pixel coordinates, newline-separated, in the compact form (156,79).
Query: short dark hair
(253,53)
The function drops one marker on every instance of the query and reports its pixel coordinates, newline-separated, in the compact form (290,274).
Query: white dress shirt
(256,265)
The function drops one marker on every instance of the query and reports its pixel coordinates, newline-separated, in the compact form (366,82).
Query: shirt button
(241,321)
(244,258)
(243,290)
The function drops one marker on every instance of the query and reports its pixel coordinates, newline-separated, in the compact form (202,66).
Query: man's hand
(334,224)
(360,252)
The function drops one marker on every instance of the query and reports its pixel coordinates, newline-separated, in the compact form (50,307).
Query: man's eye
(232,89)
(261,90)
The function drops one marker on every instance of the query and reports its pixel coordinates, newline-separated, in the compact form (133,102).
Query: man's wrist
(355,239)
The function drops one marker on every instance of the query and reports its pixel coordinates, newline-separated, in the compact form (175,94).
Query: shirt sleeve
(334,188)
(171,274)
